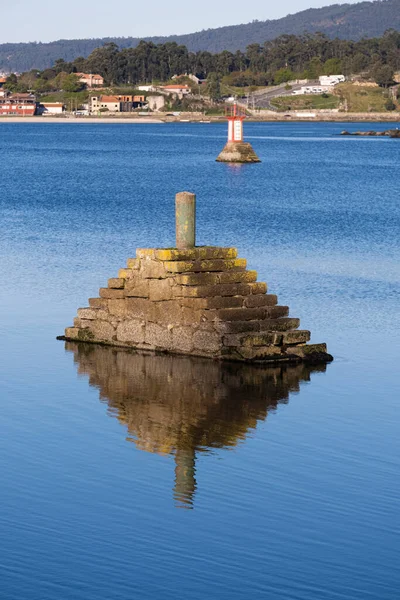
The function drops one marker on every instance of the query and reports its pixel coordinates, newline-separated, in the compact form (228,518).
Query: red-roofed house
(18,104)
(115,103)
(90,79)
(176,89)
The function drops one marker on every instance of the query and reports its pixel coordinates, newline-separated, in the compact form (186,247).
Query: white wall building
(156,103)
(331,80)
(145,88)
(51,108)
(311,89)
(175,89)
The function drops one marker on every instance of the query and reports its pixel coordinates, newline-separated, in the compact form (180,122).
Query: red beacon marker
(235,116)
(236,150)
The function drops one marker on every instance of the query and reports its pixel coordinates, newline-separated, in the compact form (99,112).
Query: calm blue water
(155,478)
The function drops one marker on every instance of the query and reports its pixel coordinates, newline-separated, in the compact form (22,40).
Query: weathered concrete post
(185,210)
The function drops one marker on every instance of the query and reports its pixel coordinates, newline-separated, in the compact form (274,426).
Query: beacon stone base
(238,152)
(200,301)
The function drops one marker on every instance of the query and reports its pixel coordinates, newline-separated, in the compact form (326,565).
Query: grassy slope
(362,98)
(314,101)
(358,98)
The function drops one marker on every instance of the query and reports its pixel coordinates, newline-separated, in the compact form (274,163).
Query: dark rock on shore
(392,133)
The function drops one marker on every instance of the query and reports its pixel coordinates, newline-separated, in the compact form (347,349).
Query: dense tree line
(344,21)
(286,58)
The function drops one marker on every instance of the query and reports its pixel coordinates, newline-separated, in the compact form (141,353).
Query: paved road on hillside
(262,98)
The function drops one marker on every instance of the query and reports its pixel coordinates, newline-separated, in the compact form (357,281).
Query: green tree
(283,75)
(383,75)
(11,82)
(314,69)
(213,86)
(71,83)
(27,81)
(333,66)
(41,86)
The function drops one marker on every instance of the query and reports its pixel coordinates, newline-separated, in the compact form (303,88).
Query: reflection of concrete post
(185,210)
(185,482)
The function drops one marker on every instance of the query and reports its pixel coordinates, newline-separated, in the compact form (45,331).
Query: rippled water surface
(128,476)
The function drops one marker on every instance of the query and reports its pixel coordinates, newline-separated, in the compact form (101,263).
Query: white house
(51,108)
(194,78)
(145,88)
(175,89)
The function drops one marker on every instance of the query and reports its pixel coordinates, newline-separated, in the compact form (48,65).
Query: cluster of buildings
(326,84)
(26,105)
(16,104)
(153,98)
(176,89)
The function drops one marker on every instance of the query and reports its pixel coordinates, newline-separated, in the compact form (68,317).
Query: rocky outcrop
(392,133)
(198,301)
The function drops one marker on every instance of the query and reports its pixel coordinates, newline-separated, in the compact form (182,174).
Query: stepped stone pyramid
(201,301)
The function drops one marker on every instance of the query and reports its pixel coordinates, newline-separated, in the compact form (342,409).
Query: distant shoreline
(133,121)
(185,118)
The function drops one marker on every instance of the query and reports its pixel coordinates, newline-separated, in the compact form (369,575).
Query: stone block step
(133,263)
(116,283)
(233,327)
(98,303)
(216,277)
(283,324)
(109,293)
(126,273)
(199,266)
(198,253)
(254,339)
(256,300)
(308,349)
(251,301)
(296,337)
(250,314)
(260,353)
(275,338)
(90,314)
(228,289)
(221,302)
(260,326)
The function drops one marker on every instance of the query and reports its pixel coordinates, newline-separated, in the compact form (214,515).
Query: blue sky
(24,20)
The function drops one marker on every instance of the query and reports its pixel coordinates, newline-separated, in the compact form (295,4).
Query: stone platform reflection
(183,405)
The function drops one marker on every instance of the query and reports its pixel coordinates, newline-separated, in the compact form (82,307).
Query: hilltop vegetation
(277,61)
(346,21)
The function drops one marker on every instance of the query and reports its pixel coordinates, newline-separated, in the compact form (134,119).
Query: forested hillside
(352,22)
(286,58)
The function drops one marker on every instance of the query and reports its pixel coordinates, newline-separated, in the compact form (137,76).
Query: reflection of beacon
(185,482)
(236,150)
